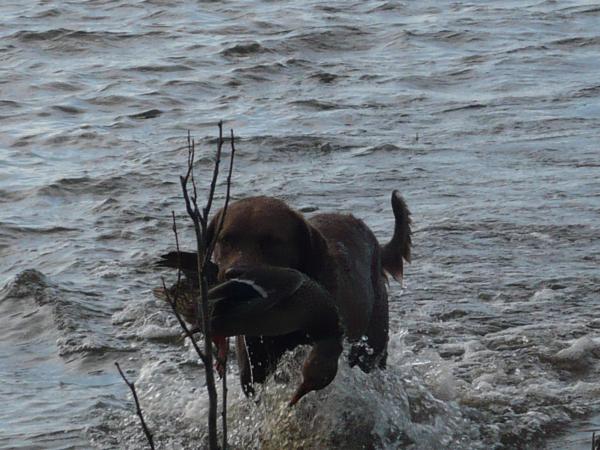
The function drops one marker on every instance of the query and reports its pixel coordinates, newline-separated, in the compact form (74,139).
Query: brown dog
(339,253)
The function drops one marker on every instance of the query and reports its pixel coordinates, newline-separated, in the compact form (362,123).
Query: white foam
(153,331)
(544,295)
(579,355)
(541,236)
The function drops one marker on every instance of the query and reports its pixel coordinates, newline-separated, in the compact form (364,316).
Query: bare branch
(595,442)
(213,183)
(211,245)
(208,365)
(191,203)
(205,248)
(206,260)
(178,260)
(173,301)
(137,406)
(195,190)
(188,333)
(224,409)
(200,228)
(231,158)
(190,164)
(199,216)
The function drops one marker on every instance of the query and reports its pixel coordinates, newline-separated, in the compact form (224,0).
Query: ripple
(243,49)
(68,109)
(10,104)
(383,148)
(325,77)
(577,41)
(22,229)
(161,68)
(340,38)
(51,12)
(317,105)
(82,185)
(464,107)
(62,86)
(57,34)
(592,91)
(149,114)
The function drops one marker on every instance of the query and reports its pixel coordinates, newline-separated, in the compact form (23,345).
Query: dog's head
(265,231)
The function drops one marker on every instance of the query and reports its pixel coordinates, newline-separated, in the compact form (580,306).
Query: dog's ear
(313,250)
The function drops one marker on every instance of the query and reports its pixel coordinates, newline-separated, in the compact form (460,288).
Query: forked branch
(205,246)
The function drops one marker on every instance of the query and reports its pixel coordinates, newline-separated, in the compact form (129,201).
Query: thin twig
(224,409)
(189,333)
(213,183)
(200,228)
(173,301)
(192,212)
(178,257)
(231,158)
(195,188)
(210,250)
(211,245)
(137,406)
(205,247)
(190,157)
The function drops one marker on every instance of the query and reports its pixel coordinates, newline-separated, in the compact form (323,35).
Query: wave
(38,307)
(57,34)
(243,49)
(577,41)
(332,38)
(318,105)
(382,148)
(87,185)
(24,229)
(390,409)
(161,68)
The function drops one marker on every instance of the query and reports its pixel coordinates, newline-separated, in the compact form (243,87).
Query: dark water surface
(485,115)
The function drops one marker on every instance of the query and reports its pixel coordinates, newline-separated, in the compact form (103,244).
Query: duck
(266,301)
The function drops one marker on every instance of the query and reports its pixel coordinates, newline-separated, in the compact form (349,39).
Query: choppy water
(485,115)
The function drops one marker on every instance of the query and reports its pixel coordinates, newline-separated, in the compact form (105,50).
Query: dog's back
(356,278)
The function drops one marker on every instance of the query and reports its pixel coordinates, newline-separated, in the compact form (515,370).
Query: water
(484,115)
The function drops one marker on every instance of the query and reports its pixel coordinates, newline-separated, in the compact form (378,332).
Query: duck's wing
(188,263)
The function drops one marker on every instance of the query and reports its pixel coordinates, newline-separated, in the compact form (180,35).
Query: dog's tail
(395,252)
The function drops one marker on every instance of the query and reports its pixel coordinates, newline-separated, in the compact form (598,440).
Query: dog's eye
(225,241)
